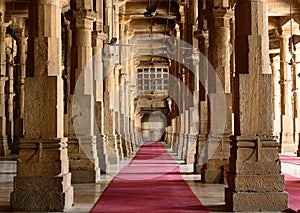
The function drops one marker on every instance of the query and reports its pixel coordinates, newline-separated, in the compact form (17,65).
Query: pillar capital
(99,35)
(81,14)
(59,3)
(199,34)
(220,12)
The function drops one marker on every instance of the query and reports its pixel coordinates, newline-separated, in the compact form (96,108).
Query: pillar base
(84,168)
(42,194)
(43,182)
(287,143)
(112,150)
(125,145)
(213,172)
(180,145)
(4,151)
(256,202)
(102,153)
(191,149)
(15,146)
(119,144)
(199,155)
(174,144)
(255,182)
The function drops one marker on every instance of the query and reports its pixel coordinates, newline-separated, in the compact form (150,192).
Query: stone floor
(211,195)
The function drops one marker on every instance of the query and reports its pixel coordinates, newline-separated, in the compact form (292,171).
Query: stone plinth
(84,160)
(112,149)
(255,182)
(217,152)
(102,153)
(43,180)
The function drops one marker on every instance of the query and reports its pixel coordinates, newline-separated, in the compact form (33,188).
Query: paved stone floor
(211,195)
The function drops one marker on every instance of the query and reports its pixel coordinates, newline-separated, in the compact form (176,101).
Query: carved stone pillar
(19,81)
(3,137)
(218,20)
(98,38)
(296,98)
(84,162)
(255,182)
(43,165)
(286,134)
(109,127)
(276,95)
(10,93)
(202,35)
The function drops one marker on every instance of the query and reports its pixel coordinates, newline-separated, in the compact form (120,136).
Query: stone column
(10,92)
(116,105)
(276,95)
(218,19)
(3,137)
(202,35)
(296,97)
(67,57)
(19,82)
(43,165)
(98,38)
(109,127)
(255,182)
(286,134)
(84,162)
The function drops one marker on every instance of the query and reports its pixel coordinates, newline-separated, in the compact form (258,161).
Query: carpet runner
(150,183)
(292,184)
(290,159)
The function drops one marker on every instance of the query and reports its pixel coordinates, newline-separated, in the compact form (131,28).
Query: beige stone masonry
(84,162)
(43,164)
(254,177)
(218,21)
(19,82)
(3,78)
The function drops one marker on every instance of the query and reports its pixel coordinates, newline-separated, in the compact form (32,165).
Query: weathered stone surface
(256,183)
(256,202)
(34,194)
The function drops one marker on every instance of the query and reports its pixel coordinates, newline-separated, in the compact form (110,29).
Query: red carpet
(290,159)
(150,183)
(292,186)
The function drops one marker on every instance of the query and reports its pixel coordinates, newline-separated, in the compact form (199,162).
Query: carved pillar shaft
(286,133)
(276,96)
(10,95)
(43,165)
(82,142)
(20,89)
(3,78)
(296,97)
(255,182)
(98,38)
(218,21)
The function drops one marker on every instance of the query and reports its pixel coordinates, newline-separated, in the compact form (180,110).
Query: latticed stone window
(153,78)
